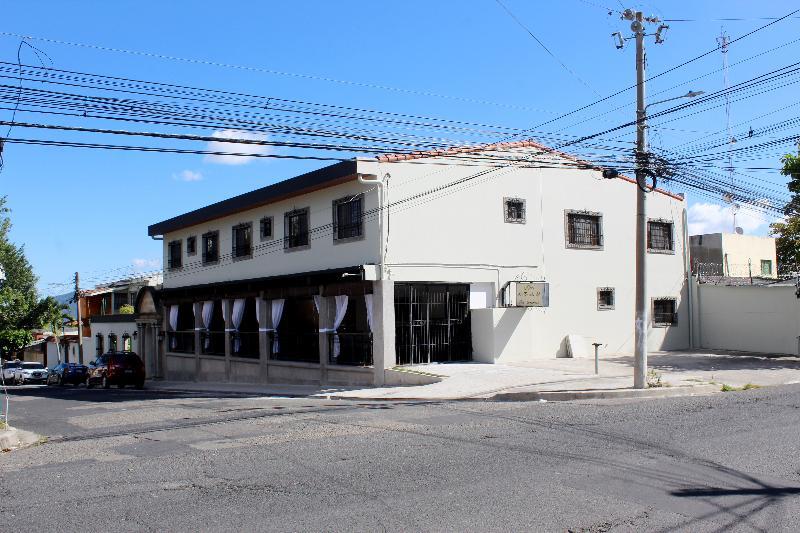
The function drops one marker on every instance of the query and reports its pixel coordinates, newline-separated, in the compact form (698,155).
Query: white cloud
(713,218)
(217,146)
(145,264)
(188,175)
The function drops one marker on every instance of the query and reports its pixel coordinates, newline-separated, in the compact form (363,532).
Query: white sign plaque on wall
(531,294)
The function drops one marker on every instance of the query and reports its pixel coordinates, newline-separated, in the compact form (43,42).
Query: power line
(261,70)
(544,47)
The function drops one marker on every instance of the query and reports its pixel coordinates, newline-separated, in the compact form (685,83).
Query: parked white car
(30,373)
(9,368)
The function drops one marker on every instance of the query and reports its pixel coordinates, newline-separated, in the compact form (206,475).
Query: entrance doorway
(432,323)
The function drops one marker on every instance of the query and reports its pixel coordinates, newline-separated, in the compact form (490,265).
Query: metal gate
(432,323)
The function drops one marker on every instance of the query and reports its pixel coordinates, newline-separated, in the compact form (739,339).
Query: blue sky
(88,210)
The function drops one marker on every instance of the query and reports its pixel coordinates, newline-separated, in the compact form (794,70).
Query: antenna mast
(723,40)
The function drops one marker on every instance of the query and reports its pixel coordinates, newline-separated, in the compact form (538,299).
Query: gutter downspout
(689,280)
(373,179)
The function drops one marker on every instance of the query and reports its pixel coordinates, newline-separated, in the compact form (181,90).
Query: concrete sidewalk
(680,373)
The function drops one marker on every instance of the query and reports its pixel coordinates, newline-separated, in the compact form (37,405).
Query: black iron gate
(432,323)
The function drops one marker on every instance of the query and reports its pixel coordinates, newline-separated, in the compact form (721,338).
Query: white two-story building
(339,274)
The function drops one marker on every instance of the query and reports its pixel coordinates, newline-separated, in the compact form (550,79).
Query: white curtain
(206,313)
(277,312)
(341,310)
(368,302)
(173,324)
(321,321)
(236,318)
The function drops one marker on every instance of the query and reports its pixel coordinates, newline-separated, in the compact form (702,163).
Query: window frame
(671,250)
(769,263)
(335,218)
(261,223)
(287,228)
(204,240)
(674,322)
(606,307)
(193,241)
(235,256)
(582,246)
(507,218)
(170,262)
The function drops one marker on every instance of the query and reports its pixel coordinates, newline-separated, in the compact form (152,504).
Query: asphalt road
(139,460)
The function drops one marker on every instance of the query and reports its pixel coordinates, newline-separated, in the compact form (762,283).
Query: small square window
(665,312)
(191,245)
(766,267)
(584,229)
(605,298)
(174,255)
(242,241)
(659,236)
(210,247)
(266,228)
(514,210)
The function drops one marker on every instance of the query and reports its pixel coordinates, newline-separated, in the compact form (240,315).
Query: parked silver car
(9,368)
(30,373)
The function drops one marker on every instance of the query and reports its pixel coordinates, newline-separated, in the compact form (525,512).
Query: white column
(383,349)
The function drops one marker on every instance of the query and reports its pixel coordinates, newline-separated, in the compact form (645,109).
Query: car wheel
(140,385)
(104,383)
(60,381)
(89,384)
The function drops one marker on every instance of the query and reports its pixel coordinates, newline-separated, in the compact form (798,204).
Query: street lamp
(641,321)
(690,94)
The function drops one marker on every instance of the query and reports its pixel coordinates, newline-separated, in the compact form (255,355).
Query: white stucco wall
(460,235)
(104,329)
(269,257)
(735,254)
(754,318)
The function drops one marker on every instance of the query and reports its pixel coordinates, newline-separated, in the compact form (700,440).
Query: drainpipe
(373,179)
(687,267)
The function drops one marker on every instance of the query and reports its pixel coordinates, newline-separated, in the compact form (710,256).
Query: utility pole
(641,320)
(77,299)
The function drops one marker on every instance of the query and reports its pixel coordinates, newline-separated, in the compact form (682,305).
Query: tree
(20,307)
(53,314)
(787,232)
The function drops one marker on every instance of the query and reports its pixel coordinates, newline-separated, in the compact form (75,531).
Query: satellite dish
(739,230)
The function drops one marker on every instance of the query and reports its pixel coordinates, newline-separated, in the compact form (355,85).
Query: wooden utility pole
(77,299)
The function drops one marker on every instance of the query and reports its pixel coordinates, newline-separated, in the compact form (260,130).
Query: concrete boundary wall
(752,318)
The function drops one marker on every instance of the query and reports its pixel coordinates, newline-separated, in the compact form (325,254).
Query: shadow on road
(82,394)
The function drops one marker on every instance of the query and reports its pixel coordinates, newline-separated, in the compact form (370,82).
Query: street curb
(12,438)
(522,396)
(604,394)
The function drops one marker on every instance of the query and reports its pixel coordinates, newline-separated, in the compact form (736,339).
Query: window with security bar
(659,236)
(175,257)
(665,312)
(766,267)
(295,229)
(266,227)
(605,298)
(191,245)
(242,241)
(514,210)
(348,218)
(584,230)
(210,247)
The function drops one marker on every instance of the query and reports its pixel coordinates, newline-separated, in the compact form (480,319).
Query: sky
(88,210)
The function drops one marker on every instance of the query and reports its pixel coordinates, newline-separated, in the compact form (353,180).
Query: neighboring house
(103,326)
(338,275)
(733,255)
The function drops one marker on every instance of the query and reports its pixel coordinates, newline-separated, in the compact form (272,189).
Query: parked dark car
(67,373)
(116,368)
